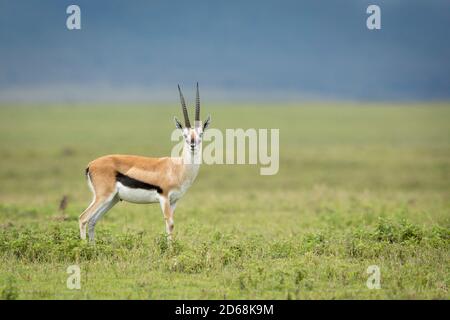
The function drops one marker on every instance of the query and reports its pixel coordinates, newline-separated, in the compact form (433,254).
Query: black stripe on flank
(136,184)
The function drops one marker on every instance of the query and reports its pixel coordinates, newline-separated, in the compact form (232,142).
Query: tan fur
(165,172)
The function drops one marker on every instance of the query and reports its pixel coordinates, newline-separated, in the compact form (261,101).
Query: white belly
(137,195)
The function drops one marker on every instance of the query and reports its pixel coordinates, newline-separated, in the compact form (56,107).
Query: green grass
(357,186)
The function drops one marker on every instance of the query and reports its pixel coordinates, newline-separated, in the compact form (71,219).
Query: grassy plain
(358,185)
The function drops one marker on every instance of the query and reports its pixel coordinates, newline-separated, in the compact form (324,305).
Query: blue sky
(256,50)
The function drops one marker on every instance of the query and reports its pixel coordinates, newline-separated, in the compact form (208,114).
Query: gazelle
(145,180)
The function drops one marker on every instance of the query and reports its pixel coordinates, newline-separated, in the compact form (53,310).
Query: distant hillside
(248,49)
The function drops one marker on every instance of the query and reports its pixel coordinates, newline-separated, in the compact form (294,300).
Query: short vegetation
(358,186)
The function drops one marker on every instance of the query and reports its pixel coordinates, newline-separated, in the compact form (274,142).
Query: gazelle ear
(178,123)
(207,122)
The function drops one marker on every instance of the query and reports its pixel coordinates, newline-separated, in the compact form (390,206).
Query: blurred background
(238,50)
(364,147)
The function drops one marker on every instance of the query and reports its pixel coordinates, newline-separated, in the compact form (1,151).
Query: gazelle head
(192,136)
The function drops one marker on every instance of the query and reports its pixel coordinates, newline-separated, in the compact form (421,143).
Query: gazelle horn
(183,106)
(197,108)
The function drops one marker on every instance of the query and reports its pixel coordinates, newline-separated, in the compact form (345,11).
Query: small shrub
(402,232)
(162,243)
(314,242)
(409,232)
(187,262)
(299,276)
(281,249)
(385,231)
(63,244)
(440,233)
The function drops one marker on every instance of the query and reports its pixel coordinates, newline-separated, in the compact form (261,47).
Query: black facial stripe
(136,184)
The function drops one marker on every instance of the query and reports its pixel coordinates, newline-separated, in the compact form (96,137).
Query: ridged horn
(183,106)
(197,107)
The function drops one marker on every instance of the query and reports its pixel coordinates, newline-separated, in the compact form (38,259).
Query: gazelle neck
(191,162)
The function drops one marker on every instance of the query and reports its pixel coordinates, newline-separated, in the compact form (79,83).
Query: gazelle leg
(173,205)
(105,196)
(172,211)
(168,215)
(84,217)
(98,213)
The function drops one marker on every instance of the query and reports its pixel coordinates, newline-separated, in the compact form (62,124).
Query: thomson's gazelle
(145,180)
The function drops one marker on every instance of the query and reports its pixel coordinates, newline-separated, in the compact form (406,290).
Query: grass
(358,185)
